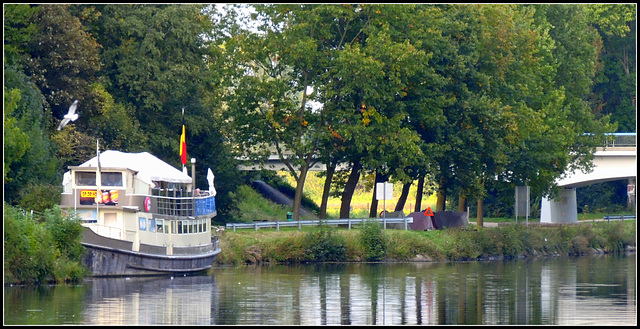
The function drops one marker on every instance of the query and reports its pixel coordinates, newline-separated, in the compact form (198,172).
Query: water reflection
(144,301)
(564,291)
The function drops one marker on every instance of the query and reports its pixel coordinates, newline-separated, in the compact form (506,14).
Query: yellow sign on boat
(88,194)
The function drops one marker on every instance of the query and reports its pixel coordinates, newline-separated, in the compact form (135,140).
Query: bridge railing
(621,140)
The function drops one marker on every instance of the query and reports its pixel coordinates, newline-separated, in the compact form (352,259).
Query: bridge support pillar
(563,209)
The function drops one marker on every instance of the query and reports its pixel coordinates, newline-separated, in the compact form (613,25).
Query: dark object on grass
(446,219)
(421,222)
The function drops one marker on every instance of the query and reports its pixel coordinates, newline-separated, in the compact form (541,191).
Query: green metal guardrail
(620,217)
(316,222)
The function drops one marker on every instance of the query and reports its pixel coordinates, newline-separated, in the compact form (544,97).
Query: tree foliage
(41,252)
(29,155)
(470,97)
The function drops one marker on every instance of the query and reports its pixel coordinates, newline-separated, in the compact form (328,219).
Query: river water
(587,290)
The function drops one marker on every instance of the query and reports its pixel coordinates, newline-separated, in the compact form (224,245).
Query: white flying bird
(71,116)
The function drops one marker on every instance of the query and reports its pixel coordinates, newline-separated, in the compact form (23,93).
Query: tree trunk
(347,194)
(479,216)
(419,194)
(403,197)
(442,197)
(297,201)
(373,210)
(479,219)
(331,169)
(462,202)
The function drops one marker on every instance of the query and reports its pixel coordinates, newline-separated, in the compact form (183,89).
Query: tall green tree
(366,87)
(30,157)
(63,58)
(506,98)
(154,65)
(15,141)
(268,104)
(19,28)
(614,89)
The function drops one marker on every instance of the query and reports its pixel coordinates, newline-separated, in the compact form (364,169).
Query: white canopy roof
(149,167)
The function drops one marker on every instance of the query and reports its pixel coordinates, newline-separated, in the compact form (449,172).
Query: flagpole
(183,144)
(98,183)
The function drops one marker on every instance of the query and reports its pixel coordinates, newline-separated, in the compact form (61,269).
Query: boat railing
(182,203)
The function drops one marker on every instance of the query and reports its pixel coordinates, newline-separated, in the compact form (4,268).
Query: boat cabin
(139,199)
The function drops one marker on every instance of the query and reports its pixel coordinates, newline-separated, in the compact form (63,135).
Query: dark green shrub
(29,250)
(463,245)
(615,236)
(579,245)
(40,197)
(323,245)
(533,240)
(41,252)
(66,232)
(373,241)
(67,270)
(513,241)
(489,241)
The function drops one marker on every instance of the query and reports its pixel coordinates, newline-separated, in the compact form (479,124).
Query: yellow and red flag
(183,143)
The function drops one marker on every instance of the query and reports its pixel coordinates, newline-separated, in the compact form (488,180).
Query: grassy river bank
(369,242)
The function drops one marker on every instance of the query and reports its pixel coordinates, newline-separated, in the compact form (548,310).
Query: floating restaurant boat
(141,216)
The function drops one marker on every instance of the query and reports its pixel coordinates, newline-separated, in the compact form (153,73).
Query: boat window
(166,227)
(143,223)
(173,227)
(190,227)
(111,178)
(179,227)
(152,225)
(84,178)
(200,225)
(159,225)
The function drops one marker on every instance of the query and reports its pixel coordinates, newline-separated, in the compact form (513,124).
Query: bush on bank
(369,242)
(42,250)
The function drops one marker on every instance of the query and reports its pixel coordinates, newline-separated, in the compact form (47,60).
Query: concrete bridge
(616,161)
